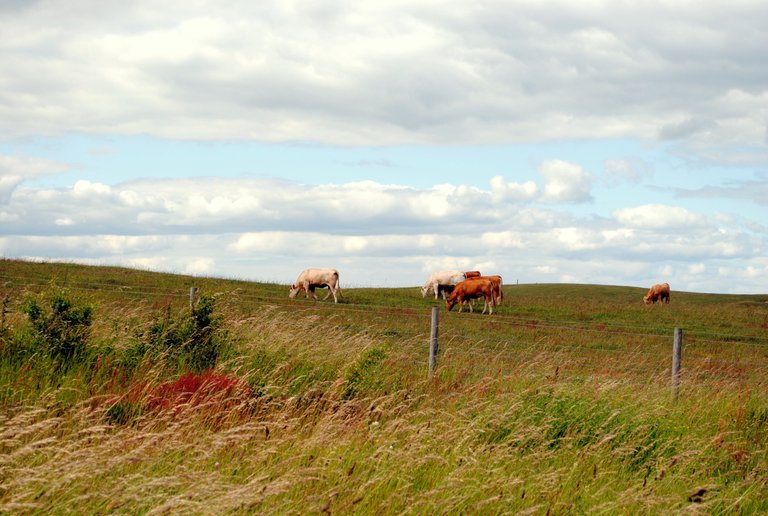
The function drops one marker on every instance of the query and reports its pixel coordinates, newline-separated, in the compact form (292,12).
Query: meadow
(117,396)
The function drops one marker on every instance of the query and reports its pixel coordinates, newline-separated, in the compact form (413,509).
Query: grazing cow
(310,279)
(445,290)
(656,293)
(436,279)
(498,293)
(472,289)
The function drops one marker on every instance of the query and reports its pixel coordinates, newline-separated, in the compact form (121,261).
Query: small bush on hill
(61,332)
(191,342)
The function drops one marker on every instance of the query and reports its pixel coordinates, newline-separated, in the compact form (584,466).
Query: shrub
(61,332)
(191,342)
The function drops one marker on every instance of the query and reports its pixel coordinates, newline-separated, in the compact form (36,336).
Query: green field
(118,397)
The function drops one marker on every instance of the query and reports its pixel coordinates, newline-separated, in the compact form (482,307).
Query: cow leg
(333,291)
(488,304)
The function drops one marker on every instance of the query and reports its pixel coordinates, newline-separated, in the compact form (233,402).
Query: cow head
(649,299)
(424,291)
(451,302)
(294,290)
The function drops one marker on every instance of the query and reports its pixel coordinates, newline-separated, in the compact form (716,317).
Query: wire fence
(500,342)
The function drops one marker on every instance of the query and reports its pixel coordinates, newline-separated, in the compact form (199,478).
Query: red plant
(196,389)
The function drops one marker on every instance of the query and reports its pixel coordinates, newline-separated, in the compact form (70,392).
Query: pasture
(557,403)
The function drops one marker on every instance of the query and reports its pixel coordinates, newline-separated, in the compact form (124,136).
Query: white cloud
(200,266)
(83,188)
(565,182)
(503,190)
(376,73)
(16,169)
(620,171)
(660,217)
(380,234)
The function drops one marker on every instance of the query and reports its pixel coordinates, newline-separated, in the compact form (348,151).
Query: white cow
(436,279)
(310,279)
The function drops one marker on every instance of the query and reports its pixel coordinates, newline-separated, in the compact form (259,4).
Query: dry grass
(552,407)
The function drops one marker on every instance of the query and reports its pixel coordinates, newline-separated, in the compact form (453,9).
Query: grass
(558,403)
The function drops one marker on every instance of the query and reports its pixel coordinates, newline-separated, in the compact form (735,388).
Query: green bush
(62,331)
(190,342)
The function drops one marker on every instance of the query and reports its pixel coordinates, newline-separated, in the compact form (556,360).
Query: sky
(601,142)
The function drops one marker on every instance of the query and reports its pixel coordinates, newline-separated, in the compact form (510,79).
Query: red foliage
(196,389)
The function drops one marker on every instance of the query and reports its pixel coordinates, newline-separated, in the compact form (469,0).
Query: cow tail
(338,283)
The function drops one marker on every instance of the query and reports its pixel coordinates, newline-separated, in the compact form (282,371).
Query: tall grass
(558,405)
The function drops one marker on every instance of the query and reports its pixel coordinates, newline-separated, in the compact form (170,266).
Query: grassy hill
(117,396)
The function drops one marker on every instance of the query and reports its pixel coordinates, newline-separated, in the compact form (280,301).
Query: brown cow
(656,293)
(472,289)
(472,274)
(498,293)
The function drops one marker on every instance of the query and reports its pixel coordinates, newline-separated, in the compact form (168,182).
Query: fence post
(434,345)
(677,353)
(192,298)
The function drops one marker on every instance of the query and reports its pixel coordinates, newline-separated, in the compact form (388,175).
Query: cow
(498,293)
(445,290)
(310,279)
(436,279)
(471,289)
(656,293)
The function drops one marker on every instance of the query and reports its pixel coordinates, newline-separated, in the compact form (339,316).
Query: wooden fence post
(434,345)
(677,353)
(192,298)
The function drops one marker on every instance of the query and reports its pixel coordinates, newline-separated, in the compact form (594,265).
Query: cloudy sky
(620,143)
